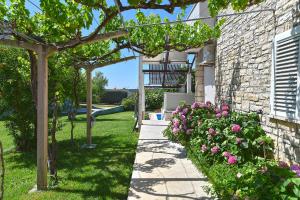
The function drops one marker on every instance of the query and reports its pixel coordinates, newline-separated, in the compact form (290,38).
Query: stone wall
(243,69)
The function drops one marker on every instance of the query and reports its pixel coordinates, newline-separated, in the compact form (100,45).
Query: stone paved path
(161,169)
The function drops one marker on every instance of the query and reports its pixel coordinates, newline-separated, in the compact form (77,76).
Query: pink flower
(175,130)
(232,160)
(185,111)
(283,164)
(218,115)
(203,148)
(176,123)
(217,110)
(225,107)
(215,150)
(224,113)
(182,117)
(178,109)
(195,105)
(235,128)
(208,103)
(174,112)
(238,140)
(226,154)
(212,132)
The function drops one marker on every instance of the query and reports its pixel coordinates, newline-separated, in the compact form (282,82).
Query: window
(285,75)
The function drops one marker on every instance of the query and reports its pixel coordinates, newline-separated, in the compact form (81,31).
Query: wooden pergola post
(42,116)
(89,105)
(89,102)
(141,106)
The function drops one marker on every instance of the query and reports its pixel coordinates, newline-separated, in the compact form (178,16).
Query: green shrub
(129,102)
(154,98)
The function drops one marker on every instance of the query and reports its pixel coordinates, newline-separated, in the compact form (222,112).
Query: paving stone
(162,171)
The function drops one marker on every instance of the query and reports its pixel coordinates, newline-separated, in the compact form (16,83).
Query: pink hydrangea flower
(225,113)
(225,107)
(208,103)
(189,131)
(175,130)
(232,160)
(176,123)
(195,105)
(212,132)
(215,150)
(218,115)
(178,109)
(236,128)
(226,154)
(203,148)
(238,140)
(185,111)
(182,117)
(217,110)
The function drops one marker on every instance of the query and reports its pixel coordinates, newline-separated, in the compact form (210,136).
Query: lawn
(101,173)
(5,138)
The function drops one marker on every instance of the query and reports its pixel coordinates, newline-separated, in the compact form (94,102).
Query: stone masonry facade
(243,69)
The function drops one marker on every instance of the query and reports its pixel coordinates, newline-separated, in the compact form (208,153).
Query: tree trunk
(53,146)
(1,172)
(75,102)
(33,71)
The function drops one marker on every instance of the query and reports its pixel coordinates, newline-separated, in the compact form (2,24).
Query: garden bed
(234,152)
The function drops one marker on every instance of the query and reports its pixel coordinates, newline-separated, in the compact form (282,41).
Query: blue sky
(125,75)
(122,75)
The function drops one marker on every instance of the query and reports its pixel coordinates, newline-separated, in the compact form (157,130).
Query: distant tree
(99,83)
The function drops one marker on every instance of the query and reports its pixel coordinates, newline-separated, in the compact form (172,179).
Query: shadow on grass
(91,173)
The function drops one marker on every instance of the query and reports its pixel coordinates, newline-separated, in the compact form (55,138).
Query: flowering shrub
(217,137)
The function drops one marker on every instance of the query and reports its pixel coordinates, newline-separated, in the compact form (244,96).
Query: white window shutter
(285,75)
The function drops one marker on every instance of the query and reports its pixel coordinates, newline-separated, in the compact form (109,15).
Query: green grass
(101,173)
(5,138)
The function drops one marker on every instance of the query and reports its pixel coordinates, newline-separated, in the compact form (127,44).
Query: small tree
(99,82)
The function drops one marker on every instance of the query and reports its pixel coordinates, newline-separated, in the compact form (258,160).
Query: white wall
(172,100)
(209,84)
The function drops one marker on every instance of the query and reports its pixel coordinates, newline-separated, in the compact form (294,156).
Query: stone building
(254,66)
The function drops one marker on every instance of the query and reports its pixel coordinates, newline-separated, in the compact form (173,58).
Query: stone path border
(161,169)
